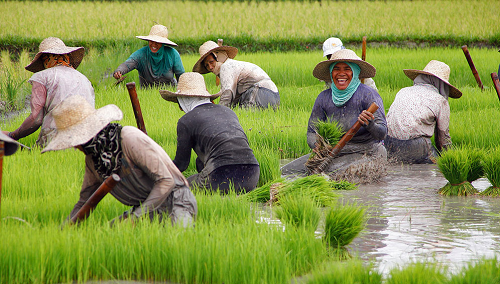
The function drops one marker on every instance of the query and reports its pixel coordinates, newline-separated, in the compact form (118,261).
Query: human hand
(117,75)
(365,117)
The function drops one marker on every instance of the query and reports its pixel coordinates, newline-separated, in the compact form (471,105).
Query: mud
(409,221)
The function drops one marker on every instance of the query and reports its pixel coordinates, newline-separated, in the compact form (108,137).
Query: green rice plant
(418,273)
(457,166)
(269,164)
(491,163)
(330,131)
(476,169)
(483,271)
(299,211)
(343,223)
(351,271)
(318,187)
(262,193)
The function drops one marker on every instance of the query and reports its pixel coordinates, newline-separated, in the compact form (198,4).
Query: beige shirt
(419,111)
(238,76)
(148,177)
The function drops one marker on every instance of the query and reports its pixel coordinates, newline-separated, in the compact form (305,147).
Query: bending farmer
(54,80)
(242,83)
(225,159)
(419,112)
(363,157)
(150,182)
(156,63)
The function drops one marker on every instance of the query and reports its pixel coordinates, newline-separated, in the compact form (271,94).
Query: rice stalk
(343,223)
(299,211)
(491,165)
(458,165)
(463,189)
(329,130)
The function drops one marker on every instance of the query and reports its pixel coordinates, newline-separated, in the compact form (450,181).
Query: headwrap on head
(51,60)
(189,103)
(442,87)
(340,97)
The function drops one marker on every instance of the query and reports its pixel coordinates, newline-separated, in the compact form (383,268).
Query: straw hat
(322,69)
(437,69)
(54,45)
(77,122)
(10,145)
(209,47)
(191,84)
(332,45)
(158,33)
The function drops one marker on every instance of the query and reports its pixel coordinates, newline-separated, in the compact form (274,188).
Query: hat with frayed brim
(10,145)
(191,84)
(439,70)
(322,69)
(77,122)
(54,45)
(209,47)
(158,33)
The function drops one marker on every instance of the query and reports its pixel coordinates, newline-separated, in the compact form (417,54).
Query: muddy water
(410,221)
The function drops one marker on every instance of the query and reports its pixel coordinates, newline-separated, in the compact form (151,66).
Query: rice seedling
(418,273)
(483,271)
(457,166)
(299,211)
(351,271)
(343,223)
(330,131)
(491,163)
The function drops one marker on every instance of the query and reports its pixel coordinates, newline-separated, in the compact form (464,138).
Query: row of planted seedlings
(461,165)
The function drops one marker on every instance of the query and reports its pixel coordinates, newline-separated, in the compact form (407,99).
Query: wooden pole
(2,152)
(136,106)
(472,67)
(363,54)
(346,138)
(496,83)
(217,79)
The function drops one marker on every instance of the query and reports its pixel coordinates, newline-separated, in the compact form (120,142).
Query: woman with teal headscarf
(156,63)
(346,101)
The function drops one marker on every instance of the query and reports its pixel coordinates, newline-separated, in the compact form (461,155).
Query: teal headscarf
(160,62)
(340,97)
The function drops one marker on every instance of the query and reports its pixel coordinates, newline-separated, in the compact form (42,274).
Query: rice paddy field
(233,240)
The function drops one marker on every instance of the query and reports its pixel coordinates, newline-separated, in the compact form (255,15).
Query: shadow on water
(409,221)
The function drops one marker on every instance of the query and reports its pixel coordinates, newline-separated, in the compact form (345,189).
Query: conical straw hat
(54,45)
(322,69)
(437,69)
(158,33)
(191,84)
(77,122)
(209,47)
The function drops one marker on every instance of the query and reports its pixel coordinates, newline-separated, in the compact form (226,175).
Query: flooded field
(410,221)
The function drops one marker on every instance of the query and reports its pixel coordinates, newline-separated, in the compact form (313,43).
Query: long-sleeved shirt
(420,111)
(148,177)
(50,87)
(348,114)
(238,76)
(215,134)
(154,74)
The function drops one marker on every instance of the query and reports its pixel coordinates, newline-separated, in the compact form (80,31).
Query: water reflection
(410,221)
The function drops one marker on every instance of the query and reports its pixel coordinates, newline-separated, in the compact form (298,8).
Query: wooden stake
(217,79)
(363,54)
(2,152)
(472,67)
(136,106)
(496,83)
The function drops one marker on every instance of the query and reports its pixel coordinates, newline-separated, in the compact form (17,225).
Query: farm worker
(156,63)
(334,44)
(225,159)
(419,112)
(243,84)
(55,79)
(363,157)
(150,182)
(10,145)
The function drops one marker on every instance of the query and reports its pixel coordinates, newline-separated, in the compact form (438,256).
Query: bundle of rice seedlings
(343,223)
(491,165)
(263,193)
(476,169)
(299,212)
(317,187)
(330,131)
(457,166)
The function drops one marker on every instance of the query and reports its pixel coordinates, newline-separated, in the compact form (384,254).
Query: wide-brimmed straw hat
(10,145)
(54,45)
(209,47)
(439,70)
(191,84)
(77,122)
(158,33)
(322,69)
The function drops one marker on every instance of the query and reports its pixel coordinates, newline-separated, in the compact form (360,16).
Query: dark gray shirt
(216,136)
